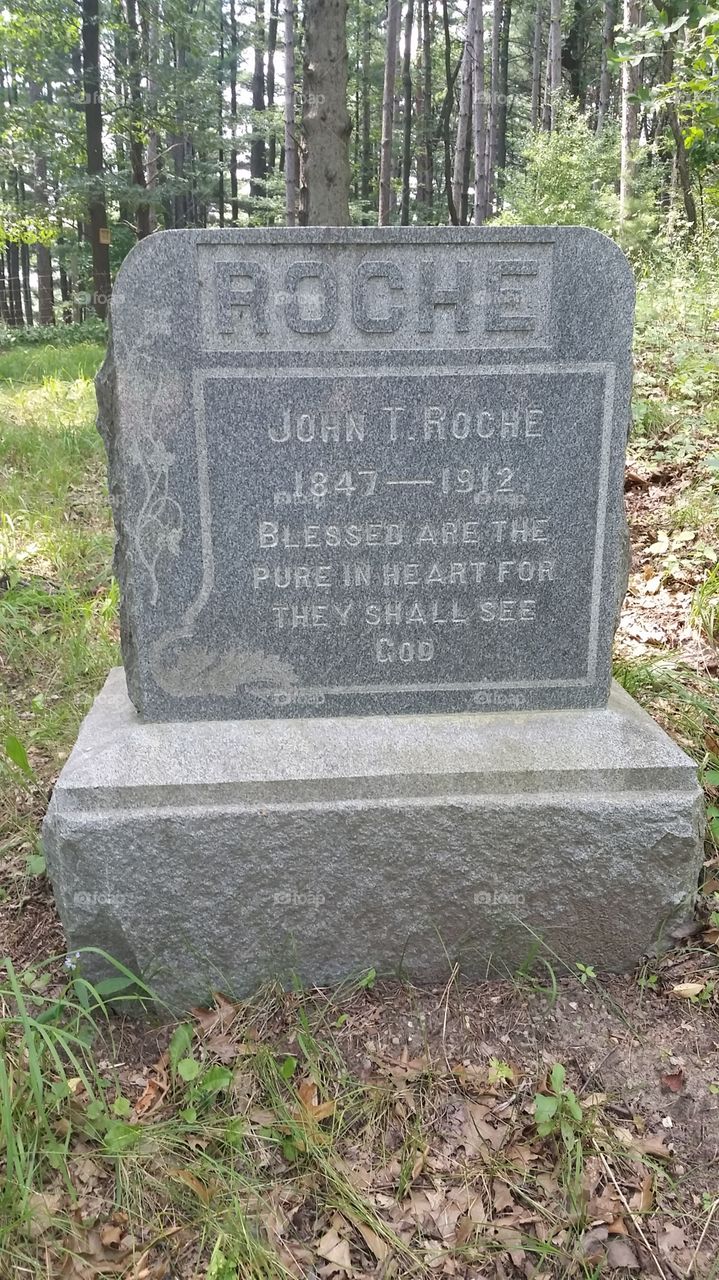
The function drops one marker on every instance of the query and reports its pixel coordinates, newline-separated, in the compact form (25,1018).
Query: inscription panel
(387,482)
(493,297)
(406,537)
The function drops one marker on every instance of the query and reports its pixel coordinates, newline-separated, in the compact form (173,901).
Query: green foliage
(92,330)
(705,605)
(18,228)
(685,46)
(557,1112)
(15,752)
(568,176)
(57,600)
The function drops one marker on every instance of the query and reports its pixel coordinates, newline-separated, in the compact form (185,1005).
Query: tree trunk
(407,120)
(149,22)
(479,122)
(605,79)
(290,135)
(326,120)
(464,199)
(575,52)
(78,310)
(356,129)
(221,122)
(465,104)
(258,152)
(421,179)
(65,294)
(684,176)
(65,282)
(555,60)
(179,143)
(427,39)
(390,71)
(4,303)
(119,62)
(137,162)
(547,99)
(235,204)
(271,50)
(43,259)
(537,65)
(95,167)
(14,285)
(366,165)
(302,190)
(630,118)
(45,290)
(681,174)
(494,105)
(26,290)
(502,102)
(446,114)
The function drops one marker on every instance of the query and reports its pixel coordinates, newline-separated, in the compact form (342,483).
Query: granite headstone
(358,473)
(366,472)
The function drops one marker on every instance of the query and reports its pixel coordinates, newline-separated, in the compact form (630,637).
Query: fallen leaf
(643,1198)
(43,1207)
(111,1235)
(309,1106)
(335,1250)
(618,1227)
(661,546)
(218,1018)
(670,1239)
(620,1253)
(673,1082)
(202,1192)
(307,1093)
(501,1196)
(652,1144)
(634,478)
(378,1246)
(226,1049)
(207,1019)
(478,1133)
(151,1097)
(603,1208)
(686,990)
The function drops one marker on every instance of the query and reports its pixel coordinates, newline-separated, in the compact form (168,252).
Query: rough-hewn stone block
(218,854)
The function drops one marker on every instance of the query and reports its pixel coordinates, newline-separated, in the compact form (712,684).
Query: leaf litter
(403,1138)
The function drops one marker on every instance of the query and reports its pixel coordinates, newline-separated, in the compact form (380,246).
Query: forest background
(122,117)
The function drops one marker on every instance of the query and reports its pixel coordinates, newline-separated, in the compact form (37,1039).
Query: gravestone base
(215,855)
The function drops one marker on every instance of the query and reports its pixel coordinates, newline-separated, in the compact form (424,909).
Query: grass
(254,1149)
(58,604)
(287,1134)
(675,441)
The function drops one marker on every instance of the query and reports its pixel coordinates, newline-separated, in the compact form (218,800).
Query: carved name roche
(362,472)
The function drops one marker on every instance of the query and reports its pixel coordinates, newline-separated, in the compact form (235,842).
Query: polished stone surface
(216,855)
(368,472)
